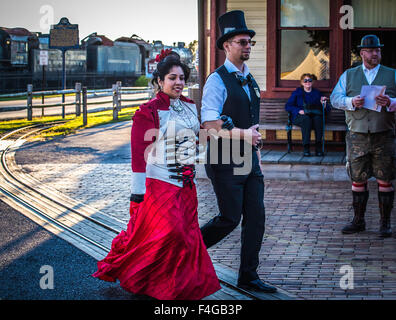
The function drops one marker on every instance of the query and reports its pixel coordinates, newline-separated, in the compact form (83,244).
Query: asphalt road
(26,249)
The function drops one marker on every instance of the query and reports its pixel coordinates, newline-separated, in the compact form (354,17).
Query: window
(378,18)
(22,47)
(305,13)
(374,14)
(304,51)
(304,35)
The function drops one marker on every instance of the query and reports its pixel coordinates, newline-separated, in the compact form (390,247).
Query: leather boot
(359,205)
(318,149)
(385,200)
(307,152)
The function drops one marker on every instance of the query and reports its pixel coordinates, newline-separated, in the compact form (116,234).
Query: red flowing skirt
(162,254)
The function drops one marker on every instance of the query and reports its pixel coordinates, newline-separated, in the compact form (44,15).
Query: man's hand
(252,136)
(259,159)
(358,102)
(301,112)
(383,100)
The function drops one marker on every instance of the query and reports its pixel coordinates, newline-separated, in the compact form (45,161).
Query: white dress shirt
(215,93)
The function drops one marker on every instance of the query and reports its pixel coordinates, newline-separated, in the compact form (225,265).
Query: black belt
(184,173)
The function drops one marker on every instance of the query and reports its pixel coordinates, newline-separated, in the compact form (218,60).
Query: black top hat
(232,23)
(370,41)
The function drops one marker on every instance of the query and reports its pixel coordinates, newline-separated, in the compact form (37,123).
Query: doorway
(388,51)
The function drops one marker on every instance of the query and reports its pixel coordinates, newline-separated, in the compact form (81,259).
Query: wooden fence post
(85,107)
(78,99)
(63,105)
(119,85)
(115,101)
(193,94)
(152,92)
(29,102)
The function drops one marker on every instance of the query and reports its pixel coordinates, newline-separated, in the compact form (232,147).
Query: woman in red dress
(162,254)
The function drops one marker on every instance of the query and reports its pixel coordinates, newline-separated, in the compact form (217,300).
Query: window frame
(295,83)
(277,88)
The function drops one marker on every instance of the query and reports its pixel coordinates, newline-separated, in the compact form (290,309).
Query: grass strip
(73,125)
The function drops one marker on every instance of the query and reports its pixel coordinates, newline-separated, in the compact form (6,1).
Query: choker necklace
(182,113)
(177,106)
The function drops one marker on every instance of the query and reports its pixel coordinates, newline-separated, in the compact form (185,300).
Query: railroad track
(81,225)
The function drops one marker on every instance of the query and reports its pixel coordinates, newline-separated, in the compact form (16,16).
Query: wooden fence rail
(82,94)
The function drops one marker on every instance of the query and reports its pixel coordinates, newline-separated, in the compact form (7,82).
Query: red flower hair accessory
(163,55)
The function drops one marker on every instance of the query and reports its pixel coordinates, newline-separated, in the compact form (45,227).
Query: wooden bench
(276,126)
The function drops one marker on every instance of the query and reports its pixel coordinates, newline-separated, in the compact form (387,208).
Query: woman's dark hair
(165,65)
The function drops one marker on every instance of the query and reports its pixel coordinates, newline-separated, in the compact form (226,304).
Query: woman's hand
(323,99)
(301,112)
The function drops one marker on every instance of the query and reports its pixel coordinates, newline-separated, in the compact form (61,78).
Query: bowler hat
(370,41)
(232,23)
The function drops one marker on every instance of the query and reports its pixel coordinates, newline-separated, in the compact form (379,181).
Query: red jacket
(147,118)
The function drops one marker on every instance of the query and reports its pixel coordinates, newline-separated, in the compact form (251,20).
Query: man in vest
(230,109)
(370,139)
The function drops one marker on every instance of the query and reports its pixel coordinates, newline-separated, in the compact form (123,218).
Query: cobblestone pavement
(303,250)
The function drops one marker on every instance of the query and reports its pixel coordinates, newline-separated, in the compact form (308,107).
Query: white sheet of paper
(369,93)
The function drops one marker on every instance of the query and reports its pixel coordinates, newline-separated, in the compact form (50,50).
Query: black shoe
(385,205)
(354,227)
(385,231)
(307,152)
(257,285)
(318,149)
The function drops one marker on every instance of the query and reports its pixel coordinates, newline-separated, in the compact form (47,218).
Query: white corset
(176,125)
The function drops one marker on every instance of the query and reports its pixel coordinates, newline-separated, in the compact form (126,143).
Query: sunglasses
(307,80)
(371,51)
(244,42)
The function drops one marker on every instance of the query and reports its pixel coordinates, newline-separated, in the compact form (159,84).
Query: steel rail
(11,175)
(42,214)
(4,170)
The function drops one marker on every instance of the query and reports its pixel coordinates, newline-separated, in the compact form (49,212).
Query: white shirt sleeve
(392,106)
(213,97)
(338,98)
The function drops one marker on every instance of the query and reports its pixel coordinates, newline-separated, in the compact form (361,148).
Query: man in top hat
(370,139)
(230,108)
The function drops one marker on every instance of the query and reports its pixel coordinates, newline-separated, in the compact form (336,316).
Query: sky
(167,20)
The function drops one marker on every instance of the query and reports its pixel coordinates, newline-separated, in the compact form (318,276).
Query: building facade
(298,36)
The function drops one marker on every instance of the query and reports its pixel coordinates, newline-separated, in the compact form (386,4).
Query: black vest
(243,112)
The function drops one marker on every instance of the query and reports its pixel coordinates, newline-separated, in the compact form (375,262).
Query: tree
(193,46)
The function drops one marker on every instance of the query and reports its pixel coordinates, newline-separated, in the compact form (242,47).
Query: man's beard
(373,62)
(245,57)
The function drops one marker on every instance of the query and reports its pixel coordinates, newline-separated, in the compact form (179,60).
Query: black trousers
(307,123)
(238,196)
